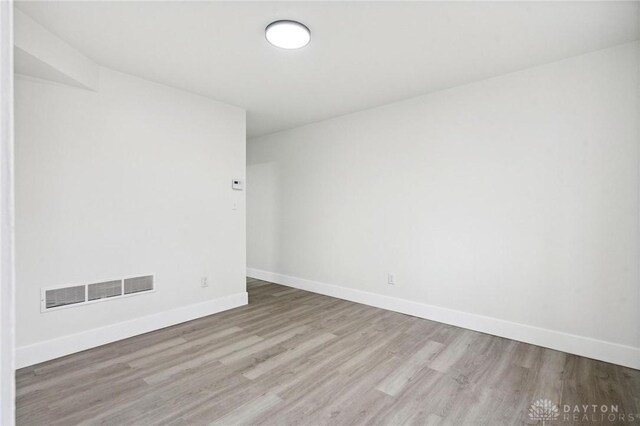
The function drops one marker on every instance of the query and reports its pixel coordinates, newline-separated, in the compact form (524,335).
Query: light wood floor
(293,357)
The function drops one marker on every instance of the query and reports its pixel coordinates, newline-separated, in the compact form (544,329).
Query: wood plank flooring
(294,357)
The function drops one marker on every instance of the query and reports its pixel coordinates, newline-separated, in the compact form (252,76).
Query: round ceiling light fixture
(287,34)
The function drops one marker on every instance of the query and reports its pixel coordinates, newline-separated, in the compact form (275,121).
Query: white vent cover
(138,284)
(103,290)
(64,296)
(54,298)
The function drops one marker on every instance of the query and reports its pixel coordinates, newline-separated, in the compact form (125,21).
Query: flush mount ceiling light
(288,34)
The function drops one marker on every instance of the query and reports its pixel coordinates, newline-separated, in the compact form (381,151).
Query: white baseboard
(61,346)
(615,353)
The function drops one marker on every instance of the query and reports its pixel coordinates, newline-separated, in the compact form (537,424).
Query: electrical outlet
(391,279)
(204,282)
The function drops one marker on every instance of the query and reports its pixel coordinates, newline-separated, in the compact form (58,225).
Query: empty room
(320,213)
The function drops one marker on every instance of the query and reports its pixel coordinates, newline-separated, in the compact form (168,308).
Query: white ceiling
(362,54)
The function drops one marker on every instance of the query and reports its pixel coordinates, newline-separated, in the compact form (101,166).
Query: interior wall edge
(69,344)
(41,53)
(615,353)
(7,219)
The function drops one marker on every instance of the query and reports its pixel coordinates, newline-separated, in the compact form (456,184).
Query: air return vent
(103,290)
(138,284)
(54,298)
(64,296)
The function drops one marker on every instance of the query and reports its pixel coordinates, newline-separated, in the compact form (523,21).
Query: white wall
(7,277)
(132,179)
(509,205)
